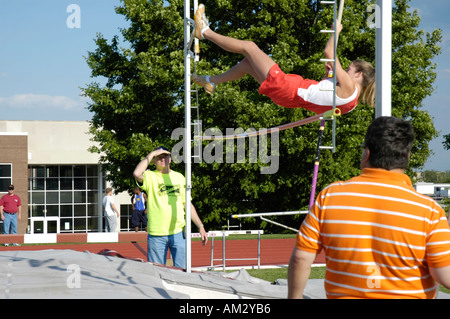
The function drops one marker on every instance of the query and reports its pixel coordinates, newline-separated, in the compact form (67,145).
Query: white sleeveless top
(322,94)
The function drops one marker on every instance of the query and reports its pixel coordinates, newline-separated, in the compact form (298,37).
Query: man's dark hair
(389,140)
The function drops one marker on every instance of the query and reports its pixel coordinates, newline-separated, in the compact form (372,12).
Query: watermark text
(246,146)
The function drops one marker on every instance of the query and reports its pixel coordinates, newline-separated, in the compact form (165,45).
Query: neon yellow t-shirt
(165,202)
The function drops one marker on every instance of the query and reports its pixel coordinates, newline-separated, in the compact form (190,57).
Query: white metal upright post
(187,123)
(383,58)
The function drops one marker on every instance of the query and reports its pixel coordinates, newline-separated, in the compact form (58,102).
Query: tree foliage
(142,102)
(446,142)
(431,176)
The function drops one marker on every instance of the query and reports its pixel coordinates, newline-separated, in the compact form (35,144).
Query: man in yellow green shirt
(166,202)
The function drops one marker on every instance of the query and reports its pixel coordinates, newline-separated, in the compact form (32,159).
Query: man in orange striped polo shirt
(381,238)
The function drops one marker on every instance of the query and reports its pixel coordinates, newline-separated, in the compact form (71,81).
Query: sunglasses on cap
(161,148)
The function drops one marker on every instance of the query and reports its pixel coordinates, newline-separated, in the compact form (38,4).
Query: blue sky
(42,66)
(42,63)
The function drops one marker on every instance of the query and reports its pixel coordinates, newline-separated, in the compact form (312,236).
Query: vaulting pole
(316,164)
(187,135)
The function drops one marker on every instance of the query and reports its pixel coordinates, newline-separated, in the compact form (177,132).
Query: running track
(273,251)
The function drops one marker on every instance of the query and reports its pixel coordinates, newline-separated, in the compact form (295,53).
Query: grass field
(273,274)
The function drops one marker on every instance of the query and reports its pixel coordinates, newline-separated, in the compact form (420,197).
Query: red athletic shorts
(282,88)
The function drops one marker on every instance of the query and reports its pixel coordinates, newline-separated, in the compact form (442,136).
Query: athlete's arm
(345,85)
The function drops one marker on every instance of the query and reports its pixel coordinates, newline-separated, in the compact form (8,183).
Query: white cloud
(445,73)
(43,102)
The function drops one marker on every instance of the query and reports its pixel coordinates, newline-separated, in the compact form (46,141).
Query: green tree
(446,142)
(142,102)
(431,176)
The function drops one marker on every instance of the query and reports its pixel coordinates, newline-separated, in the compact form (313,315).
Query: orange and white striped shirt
(379,236)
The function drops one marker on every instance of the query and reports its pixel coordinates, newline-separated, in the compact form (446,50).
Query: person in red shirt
(11,211)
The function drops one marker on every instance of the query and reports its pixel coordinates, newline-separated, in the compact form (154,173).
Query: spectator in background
(139,214)
(165,189)
(11,211)
(110,211)
(382,239)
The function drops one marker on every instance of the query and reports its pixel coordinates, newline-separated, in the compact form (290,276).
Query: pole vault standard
(337,22)
(188,55)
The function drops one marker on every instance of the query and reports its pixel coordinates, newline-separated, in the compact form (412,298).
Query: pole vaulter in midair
(290,90)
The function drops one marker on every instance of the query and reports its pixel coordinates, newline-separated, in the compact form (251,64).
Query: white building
(60,182)
(432,189)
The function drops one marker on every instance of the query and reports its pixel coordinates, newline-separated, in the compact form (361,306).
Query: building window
(5,177)
(69,193)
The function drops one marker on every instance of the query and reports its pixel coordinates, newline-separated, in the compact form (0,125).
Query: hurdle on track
(225,234)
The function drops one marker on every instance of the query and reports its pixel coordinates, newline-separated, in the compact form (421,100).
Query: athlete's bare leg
(256,63)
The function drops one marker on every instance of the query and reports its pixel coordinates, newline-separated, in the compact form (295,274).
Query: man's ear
(365,158)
